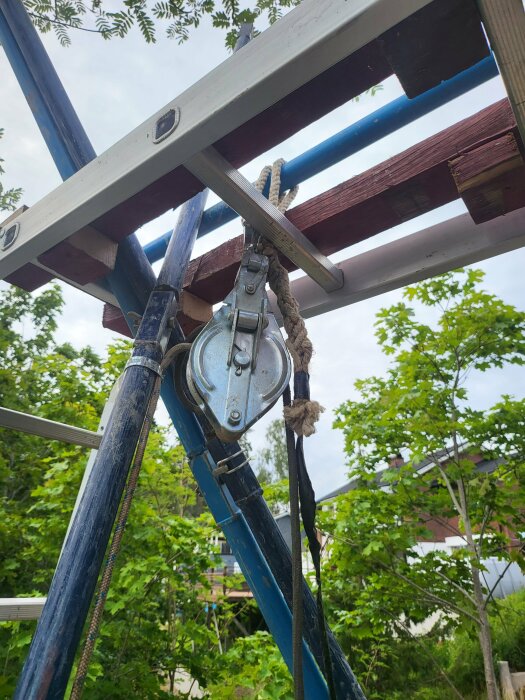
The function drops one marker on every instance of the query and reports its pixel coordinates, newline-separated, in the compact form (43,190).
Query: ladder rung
(48,428)
(21,608)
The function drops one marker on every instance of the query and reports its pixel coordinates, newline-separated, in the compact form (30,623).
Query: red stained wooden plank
(215,271)
(194,313)
(435,43)
(407,185)
(491,178)
(84,257)
(333,88)
(29,277)
(344,81)
(113,319)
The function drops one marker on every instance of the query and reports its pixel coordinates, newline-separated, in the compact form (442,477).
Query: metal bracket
(141,361)
(223,464)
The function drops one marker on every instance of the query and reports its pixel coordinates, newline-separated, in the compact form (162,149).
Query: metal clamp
(141,361)
(222,464)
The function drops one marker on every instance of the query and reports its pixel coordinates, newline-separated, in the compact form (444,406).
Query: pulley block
(239,365)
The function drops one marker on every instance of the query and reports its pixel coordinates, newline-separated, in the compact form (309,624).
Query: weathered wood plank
(29,277)
(461,45)
(434,44)
(407,185)
(504,22)
(84,257)
(193,313)
(491,178)
(367,66)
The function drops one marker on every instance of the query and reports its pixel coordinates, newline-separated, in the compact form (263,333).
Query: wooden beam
(491,178)
(426,40)
(194,312)
(29,277)
(84,257)
(445,246)
(407,185)
(310,40)
(358,72)
(434,44)
(504,22)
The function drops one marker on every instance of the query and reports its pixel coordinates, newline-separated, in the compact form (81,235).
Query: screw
(234,417)
(250,288)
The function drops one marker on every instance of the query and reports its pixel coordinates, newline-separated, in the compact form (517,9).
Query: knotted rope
(300,417)
(303,413)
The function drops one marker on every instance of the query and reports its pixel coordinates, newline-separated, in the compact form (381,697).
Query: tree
(8,198)
(253,668)
(274,457)
(155,623)
(421,409)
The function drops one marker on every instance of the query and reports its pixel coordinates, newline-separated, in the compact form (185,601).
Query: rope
(100,600)
(303,413)
(300,417)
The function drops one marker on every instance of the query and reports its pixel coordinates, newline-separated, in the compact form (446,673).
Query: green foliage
(421,410)
(273,458)
(177,17)
(253,669)
(272,467)
(508,624)
(8,198)
(155,621)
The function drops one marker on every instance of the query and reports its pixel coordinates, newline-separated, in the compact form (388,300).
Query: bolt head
(235,417)
(250,288)
(242,359)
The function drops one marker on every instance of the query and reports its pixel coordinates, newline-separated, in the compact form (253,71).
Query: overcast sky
(116,85)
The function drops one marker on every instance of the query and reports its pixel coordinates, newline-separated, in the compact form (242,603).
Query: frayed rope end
(302,416)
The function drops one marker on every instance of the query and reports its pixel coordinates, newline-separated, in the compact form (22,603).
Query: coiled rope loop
(303,413)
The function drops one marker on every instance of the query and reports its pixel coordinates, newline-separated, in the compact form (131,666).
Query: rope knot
(302,416)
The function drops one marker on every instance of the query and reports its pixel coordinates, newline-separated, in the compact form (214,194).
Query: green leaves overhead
(8,198)
(175,18)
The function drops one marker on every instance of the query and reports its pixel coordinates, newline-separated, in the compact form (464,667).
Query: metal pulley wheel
(238,365)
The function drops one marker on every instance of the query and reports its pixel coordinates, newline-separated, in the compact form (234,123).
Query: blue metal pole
(131,289)
(230,518)
(57,120)
(354,138)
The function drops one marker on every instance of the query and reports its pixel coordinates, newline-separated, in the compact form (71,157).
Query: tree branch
(491,592)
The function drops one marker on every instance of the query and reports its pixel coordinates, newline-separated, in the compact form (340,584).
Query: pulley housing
(239,364)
